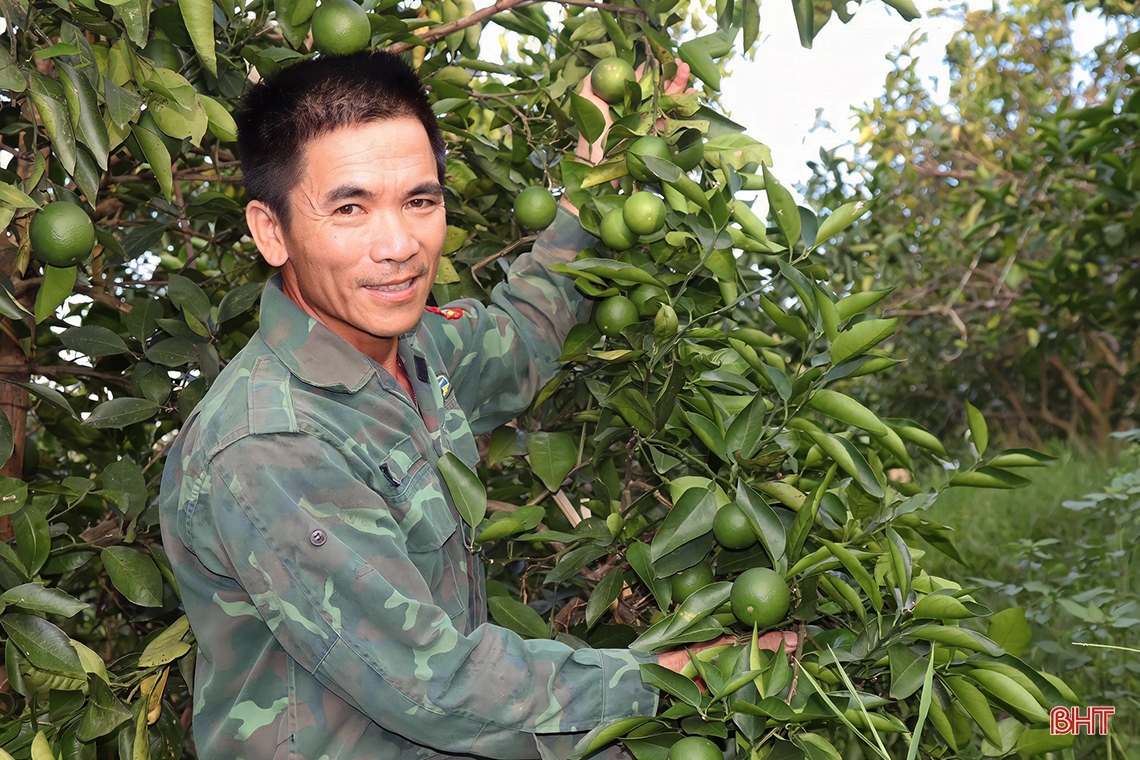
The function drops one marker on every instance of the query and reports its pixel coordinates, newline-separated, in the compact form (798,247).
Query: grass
(1074,568)
(988,521)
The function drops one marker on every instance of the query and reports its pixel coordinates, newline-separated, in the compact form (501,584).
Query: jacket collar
(311,351)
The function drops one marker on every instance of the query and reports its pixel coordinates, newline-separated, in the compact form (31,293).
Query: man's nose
(393,238)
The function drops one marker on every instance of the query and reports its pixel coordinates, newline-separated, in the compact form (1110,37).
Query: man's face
(366,231)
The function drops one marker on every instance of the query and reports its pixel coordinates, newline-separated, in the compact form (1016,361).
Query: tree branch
(430,34)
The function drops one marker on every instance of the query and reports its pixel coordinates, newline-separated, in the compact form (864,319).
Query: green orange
(62,234)
(340,27)
(732,529)
(535,208)
(690,580)
(644,213)
(760,597)
(665,322)
(609,77)
(646,146)
(615,314)
(614,231)
(695,748)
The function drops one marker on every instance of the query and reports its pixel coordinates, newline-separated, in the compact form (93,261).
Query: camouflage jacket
(322,564)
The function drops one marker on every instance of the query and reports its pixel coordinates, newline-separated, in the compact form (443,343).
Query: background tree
(1007,217)
(598,510)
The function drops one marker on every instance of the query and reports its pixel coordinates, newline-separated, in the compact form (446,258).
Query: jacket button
(318,537)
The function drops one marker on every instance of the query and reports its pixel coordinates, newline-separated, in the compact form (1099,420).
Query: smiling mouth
(394,287)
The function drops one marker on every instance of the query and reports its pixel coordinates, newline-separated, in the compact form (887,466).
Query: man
(338,610)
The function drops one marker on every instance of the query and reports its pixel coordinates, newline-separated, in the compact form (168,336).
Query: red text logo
(1069,720)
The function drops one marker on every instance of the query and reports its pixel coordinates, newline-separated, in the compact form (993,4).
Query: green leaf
(850,460)
(602,736)
(7,440)
(699,605)
(12,195)
(589,120)
(33,538)
(602,597)
(906,8)
(783,207)
(856,571)
(47,95)
(172,352)
(1011,693)
(691,517)
(136,18)
(989,477)
(199,18)
(976,705)
(467,493)
(573,561)
(860,337)
(737,151)
(143,318)
(924,703)
(908,671)
(1022,458)
(93,340)
(857,303)
(44,644)
(126,477)
(1010,630)
(34,597)
(518,617)
(979,432)
(847,410)
(134,574)
(167,646)
(1034,742)
(104,711)
(155,152)
(238,300)
(942,605)
(671,683)
(120,412)
(57,285)
(762,519)
(637,554)
(842,218)
(85,115)
(13,492)
(552,456)
(960,638)
(188,297)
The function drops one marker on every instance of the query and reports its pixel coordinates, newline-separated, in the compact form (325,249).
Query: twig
(494,256)
(801,633)
(430,34)
(563,502)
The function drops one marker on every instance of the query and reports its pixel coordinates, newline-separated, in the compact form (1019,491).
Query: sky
(776,96)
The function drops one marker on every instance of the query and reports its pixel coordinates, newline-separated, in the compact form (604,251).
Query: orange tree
(711,382)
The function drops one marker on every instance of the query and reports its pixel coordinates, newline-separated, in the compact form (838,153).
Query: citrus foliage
(718,388)
(1008,218)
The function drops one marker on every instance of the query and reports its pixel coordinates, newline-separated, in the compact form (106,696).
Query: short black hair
(283,112)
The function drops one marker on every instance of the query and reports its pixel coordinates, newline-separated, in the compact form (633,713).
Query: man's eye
(423,203)
(347,210)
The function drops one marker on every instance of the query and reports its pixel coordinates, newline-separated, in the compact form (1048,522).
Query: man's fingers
(776,639)
(680,82)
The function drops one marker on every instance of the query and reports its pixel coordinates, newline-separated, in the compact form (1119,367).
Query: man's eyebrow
(427,188)
(344,192)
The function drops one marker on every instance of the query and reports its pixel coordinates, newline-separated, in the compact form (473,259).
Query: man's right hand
(677,659)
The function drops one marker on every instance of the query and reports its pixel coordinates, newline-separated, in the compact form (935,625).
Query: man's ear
(268,233)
